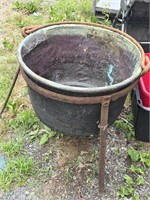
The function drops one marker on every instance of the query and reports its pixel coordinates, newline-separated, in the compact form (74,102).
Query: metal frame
(103,100)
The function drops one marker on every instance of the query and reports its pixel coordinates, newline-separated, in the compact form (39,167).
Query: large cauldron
(70,67)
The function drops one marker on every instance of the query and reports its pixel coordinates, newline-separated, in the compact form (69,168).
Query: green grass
(8,44)
(27,123)
(12,147)
(6,74)
(27,7)
(70,10)
(24,120)
(18,170)
(125,124)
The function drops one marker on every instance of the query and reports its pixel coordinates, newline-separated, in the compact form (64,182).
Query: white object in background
(112,5)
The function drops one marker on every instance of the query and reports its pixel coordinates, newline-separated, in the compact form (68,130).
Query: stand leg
(102,155)
(103,136)
(10,91)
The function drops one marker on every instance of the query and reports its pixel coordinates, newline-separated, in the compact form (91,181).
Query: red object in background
(144,89)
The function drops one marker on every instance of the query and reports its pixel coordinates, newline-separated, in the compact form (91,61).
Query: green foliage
(106,20)
(145,158)
(69,173)
(12,106)
(24,121)
(71,10)
(88,179)
(136,169)
(125,127)
(28,7)
(134,155)
(140,180)
(128,179)
(17,172)
(142,159)
(44,134)
(8,44)
(6,73)
(12,147)
(20,22)
(49,134)
(126,191)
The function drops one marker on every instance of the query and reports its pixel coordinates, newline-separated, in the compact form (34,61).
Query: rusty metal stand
(10,91)
(103,138)
(104,101)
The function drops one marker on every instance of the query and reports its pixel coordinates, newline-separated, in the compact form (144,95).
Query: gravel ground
(54,186)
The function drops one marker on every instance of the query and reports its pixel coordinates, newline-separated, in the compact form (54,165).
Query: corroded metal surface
(118,44)
(74,99)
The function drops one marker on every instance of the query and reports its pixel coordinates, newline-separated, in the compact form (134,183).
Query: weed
(126,127)
(134,155)
(28,7)
(8,44)
(12,147)
(68,173)
(92,158)
(20,22)
(44,139)
(106,20)
(88,179)
(7,71)
(48,134)
(12,106)
(44,134)
(17,172)
(106,16)
(70,10)
(18,5)
(2,126)
(25,121)
(48,155)
(45,171)
(79,160)
(143,161)
(34,134)
(143,157)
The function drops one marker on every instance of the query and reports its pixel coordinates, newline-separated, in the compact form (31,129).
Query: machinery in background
(132,17)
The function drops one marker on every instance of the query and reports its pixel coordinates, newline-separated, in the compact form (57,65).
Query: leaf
(51,134)
(135,197)
(136,169)
(44,139)
(145,158)
(125,190)
(122,191)
(130,190)
(134,155)
(128,179)
(140,180)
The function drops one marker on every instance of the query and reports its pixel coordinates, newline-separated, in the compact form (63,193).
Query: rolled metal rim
(91,90)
